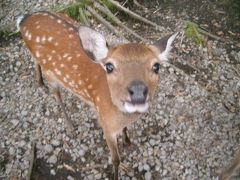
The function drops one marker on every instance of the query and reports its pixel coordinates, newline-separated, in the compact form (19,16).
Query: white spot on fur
(53,51)
(67,76)
(29,36)
(54,63)
(90,86)
(78,55)
(44,38)
(65,79)
(57,71)
(65,55)
(49,58)
(50,39)
(37,39)
(70,29)
(59,21)
(37,54)
(69,58)
(26,33)
(38,26)
(44,61)
(56,44)
(75,66)
(70,36)
(61,65)
(98,99)
(79,82)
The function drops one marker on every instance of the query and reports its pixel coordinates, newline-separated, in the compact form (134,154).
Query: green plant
(192,32)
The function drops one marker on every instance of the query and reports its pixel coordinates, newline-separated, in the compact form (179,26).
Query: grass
(192,33)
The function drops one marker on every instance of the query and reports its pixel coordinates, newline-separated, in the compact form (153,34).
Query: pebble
(148,176)
(52,159)
(55,142)
(70,177)
(48,148)
(161,139)
(53,172)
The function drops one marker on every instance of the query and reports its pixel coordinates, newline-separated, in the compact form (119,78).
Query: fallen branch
(82,14)
(139,5)
(106,11)
(32,159)
(134,15)
(105,23)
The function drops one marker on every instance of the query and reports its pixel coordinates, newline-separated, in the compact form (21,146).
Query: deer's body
(64,52)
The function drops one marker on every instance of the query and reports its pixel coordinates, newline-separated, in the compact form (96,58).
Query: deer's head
(131,69)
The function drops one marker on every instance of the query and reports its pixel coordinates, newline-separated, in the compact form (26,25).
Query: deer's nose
(138,92)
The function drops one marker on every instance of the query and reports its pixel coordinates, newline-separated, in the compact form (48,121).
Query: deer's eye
(156,67)
(109,67)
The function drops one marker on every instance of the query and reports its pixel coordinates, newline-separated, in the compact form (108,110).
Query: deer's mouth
(135,108)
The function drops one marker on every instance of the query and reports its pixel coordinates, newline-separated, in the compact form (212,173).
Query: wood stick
(32,159)
(82,14)
(134,15)
(104,22)
(106,11)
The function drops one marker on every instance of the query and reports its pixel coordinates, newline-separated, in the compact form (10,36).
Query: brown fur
(54,42)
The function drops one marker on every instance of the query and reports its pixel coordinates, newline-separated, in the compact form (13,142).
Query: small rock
(55,142)
(48,148)
(53,172)
(21,143)
(148,176)
(70,178)
(98,176)
(52,159)
(146,167)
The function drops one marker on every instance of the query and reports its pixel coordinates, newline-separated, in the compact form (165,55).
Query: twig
(92,167)
(32,159)
(106,11)
(134,15)
(82,14)
(139,5)
(105,23)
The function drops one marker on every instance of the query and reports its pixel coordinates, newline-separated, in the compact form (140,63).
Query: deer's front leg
(126,140)
(70,127)
(38,74)
(112,145)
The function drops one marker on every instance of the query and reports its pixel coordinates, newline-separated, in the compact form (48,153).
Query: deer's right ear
(93,43)
(164,46)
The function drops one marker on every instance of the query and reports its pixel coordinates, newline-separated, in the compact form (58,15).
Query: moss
(73,10)
(192,33)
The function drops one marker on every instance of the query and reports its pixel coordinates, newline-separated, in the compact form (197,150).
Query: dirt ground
(191,132)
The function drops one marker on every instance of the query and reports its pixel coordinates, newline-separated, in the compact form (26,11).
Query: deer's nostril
(130,92)
(145,92)
(138,92)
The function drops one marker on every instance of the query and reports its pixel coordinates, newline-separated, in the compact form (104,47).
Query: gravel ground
(191,131)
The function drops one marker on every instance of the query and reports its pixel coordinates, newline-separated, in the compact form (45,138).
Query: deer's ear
(93,43)
(164,46)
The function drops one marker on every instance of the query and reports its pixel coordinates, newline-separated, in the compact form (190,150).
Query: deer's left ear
(93,43)
(163,46)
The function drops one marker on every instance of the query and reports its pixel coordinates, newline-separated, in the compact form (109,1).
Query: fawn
(119,82)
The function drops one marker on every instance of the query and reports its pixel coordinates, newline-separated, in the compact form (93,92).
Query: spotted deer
(118,82)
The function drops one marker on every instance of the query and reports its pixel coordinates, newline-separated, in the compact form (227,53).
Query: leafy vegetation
(192,32)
